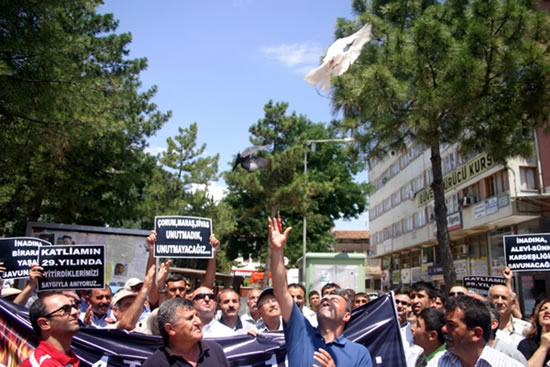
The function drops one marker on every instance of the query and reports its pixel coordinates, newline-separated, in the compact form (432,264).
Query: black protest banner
(183,237)
(374,325)
(18,255)
(482,284)
(72,267)
(528,252)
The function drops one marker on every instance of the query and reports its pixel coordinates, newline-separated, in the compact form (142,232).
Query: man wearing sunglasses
(323,346)
(403,306)
(458,290)
(54,317)
(205,303)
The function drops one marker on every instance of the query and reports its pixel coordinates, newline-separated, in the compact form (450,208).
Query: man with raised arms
(323,346)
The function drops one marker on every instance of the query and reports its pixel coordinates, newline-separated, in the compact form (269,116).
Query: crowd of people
(460,328)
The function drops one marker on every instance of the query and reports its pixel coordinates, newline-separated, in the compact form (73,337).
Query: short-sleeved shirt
(210,355)
(489,358)
(46,355)
(529,346)
(302,340)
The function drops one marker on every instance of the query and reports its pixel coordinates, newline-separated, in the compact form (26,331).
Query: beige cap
(7,292)
(123,293)
(132,282)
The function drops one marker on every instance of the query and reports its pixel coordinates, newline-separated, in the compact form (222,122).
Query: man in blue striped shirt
(467,330)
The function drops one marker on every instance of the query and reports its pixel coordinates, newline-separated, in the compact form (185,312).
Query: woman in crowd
(536,345)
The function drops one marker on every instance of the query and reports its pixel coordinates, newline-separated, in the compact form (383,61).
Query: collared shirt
(489,358)
(507,347)
(302,340)
(240,327)
(46,355)
(247,317)
(517,329)
(215,329)
(261,325)
(423,359)
(210,355)
(310,315)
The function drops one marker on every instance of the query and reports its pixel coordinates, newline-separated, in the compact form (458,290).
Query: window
(427,255)
(452,204)
(406,191)
(527,176)
(387,233)
(496,184)
(408,224)
(430,216)
(404,160)
(472,192)
(396,229)
(415,259)
(372,214)
(394,168)
(395,199)
(449,163)
(418,183)
(387,204)
(419,219)
(430,176)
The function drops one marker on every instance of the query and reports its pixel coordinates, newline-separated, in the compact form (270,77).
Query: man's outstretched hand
(278,239)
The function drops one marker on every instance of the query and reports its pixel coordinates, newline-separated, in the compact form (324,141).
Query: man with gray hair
(502,298)
(181,330)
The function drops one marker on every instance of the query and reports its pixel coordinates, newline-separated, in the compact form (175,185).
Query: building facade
(485,201)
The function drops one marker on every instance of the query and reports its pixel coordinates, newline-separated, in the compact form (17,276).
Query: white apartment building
(485,201)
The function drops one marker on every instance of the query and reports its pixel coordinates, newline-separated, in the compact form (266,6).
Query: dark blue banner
(374,325)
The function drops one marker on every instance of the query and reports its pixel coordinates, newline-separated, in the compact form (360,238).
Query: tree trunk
(440,209)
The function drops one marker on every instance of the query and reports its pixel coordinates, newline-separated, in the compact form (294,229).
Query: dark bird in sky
(249,162)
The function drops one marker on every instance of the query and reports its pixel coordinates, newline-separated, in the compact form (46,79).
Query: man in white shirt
(252,316)
(503,299)
(204,302)
(403,305)
(298,294)
(229,304)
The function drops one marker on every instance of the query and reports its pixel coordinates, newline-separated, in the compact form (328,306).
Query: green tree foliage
(73,121)
(178,186)
(326,194)
(474,72)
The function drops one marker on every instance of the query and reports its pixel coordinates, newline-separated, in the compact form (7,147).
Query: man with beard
(229,303)
(253,314)
(54,317)
(306,345)
(181,330)
(204,302)
(99,301)
(467,331)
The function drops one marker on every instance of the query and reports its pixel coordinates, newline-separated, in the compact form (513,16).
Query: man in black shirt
(181,330)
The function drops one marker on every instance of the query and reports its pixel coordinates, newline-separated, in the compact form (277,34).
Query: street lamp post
(313,143)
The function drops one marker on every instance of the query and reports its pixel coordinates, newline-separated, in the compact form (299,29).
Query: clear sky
(219,62)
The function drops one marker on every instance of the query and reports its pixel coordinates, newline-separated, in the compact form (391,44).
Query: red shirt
(45,355)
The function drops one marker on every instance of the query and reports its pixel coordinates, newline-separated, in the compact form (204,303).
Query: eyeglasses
(452,294)
(65,310)
(404,303)
(200,296)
